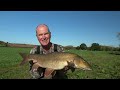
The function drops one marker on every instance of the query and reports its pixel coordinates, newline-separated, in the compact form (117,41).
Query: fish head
(82,64)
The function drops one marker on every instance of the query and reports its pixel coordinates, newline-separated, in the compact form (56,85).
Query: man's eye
(46,33)
(40,34)
(43,34)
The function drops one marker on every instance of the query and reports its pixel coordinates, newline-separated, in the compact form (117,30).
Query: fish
(56,61)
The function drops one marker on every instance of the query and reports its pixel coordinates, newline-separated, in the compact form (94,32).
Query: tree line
(97,47)
(93,47)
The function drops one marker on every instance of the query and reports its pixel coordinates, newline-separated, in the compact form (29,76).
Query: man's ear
(50,34)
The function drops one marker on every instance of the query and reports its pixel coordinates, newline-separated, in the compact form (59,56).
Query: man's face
(43,35)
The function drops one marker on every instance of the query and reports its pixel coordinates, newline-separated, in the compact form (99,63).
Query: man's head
(43,34)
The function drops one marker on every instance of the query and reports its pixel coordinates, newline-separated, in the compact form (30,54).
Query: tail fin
(24,56)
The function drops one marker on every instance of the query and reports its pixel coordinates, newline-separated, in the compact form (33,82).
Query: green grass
(9,63)
(104,65)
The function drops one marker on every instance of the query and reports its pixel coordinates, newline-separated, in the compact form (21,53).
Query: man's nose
(43,36)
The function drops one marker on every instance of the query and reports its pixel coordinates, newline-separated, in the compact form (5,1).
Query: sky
(67,27)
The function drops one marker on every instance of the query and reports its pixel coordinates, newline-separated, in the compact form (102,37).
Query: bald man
(43,35)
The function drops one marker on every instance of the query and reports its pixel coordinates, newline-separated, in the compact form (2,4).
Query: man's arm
(33,50)
(36,71)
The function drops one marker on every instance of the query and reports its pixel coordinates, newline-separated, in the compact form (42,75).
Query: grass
(104,65)
(9,63)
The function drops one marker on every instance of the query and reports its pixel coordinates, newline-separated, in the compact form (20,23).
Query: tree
(6,44)
(118,36)
(95,47)
(83,46)
(68,47)
(77,47)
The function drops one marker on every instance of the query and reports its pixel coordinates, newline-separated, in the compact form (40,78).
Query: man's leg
(60,75)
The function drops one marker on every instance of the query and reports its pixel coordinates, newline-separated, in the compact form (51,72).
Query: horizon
(63,46)
(67,27)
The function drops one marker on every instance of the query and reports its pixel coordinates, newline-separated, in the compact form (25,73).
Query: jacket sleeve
(60,48)
(33,50)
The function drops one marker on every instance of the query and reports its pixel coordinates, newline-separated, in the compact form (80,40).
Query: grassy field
(104,65)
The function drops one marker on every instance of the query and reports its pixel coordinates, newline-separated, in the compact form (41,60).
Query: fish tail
(24,56)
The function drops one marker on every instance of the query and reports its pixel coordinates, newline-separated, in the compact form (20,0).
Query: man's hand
(65,69)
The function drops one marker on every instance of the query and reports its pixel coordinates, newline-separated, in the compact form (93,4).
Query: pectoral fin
(48,72)
(71,66)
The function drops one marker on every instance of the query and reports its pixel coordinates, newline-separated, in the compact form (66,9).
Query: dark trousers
(60,74)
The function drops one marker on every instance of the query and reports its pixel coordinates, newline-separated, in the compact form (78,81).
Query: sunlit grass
(104,65)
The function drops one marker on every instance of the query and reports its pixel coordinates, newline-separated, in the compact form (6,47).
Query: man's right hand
(36,70)
(31,64)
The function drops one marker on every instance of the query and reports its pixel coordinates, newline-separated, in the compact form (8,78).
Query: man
(44,35)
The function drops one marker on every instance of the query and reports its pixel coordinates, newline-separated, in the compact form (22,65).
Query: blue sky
(67,27)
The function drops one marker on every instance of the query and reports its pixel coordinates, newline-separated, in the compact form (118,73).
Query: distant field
(104,65)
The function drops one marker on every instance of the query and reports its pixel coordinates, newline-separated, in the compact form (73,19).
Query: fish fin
(71,66)
(23,62)
(24,56)
(48,72)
